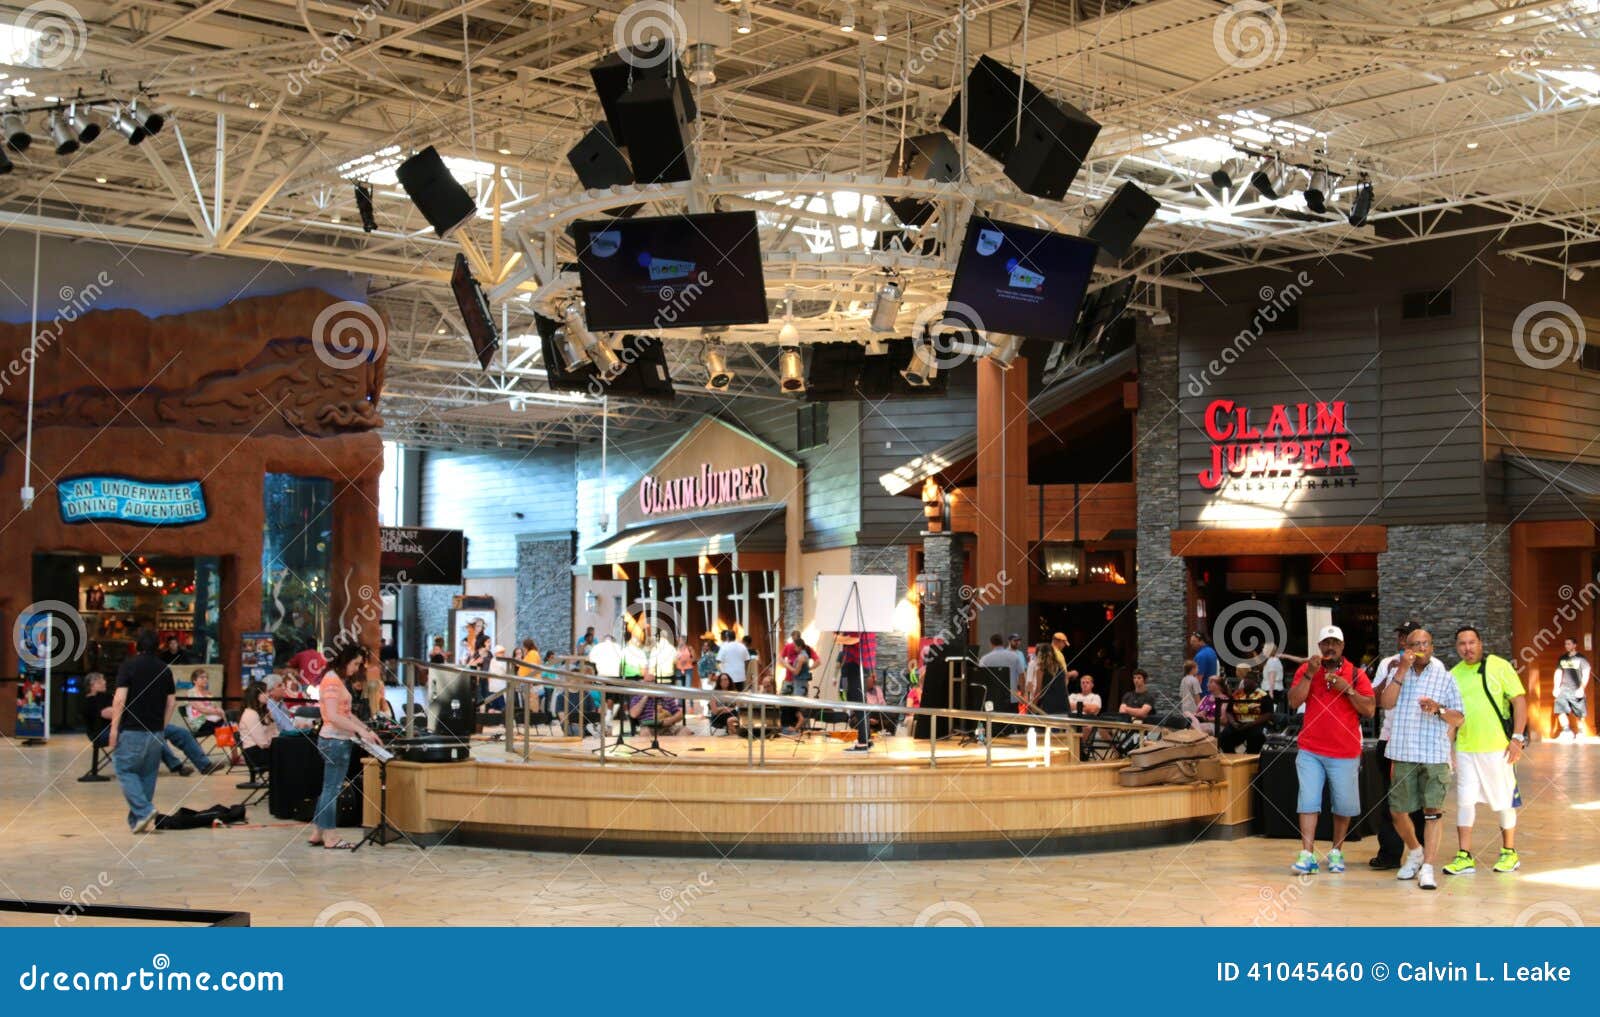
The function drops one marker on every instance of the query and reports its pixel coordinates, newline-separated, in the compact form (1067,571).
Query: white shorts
(1485,777)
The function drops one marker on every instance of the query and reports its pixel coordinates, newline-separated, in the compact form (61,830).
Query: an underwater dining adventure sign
(128,500)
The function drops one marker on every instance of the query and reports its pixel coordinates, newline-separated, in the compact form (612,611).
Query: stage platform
(810,799)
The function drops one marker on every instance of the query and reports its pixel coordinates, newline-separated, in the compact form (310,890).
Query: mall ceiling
(276,108)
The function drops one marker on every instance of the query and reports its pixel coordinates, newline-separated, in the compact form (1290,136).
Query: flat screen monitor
(676,271)
(475,314)
(1022,281)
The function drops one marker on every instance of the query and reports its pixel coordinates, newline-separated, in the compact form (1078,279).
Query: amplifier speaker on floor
(437,194)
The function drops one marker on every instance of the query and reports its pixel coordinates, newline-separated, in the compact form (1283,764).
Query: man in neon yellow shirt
(1491,693)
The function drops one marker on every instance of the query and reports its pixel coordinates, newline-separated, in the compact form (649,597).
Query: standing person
(1052,694)
(708,668)
(683,663)
(732,658)
(140,711)
(1390,845)
(797,659)
(1488,744)
(1272,678)
(1190,689)
(1246,718)
(1572,688)
(858,655)
(1000,655)
(1336,695)
(1020,655)
(341,729)
(586,641)
(1422,706)
(1205,660)
(606,657)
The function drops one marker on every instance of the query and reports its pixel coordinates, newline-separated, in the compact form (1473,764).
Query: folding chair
(96,761)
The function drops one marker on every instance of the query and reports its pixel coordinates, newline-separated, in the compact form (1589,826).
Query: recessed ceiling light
(99,180)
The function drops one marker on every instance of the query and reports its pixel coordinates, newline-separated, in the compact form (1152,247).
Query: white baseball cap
(1331,632)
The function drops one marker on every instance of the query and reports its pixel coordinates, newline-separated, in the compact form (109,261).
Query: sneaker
(1412,864)
(1425,878)
(144,825)
(1509,862)
(1335,860)
(858,747)
(1306,864)
(1461,865)
(211,768)
(1383,864)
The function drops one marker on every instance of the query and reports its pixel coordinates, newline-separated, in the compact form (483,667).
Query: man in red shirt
(1336,695)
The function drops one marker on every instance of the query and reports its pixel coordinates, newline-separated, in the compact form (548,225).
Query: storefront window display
(296,548)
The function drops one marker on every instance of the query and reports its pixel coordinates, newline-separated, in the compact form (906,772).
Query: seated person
(97,715)
(256,731)
(1245,718)
(1085,701)
(1140,703)
(1204,717)
(724,716)
(277,691)
(882,722)
(664,714)
(205,714)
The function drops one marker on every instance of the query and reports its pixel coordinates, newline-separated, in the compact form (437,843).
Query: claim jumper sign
(705,489)
(1296,440)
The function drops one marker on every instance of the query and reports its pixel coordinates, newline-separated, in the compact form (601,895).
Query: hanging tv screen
(1022,281)
(675,271)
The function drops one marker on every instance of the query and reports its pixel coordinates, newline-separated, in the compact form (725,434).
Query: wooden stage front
(810,800)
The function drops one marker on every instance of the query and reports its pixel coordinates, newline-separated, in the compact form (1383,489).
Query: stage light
(1322,186)
(66,141)
(924,366)
(14,127)
(1268,179)
(847,18)
(880,30)
(369,222)
(791,370)
(124,124)
(150,120)
(788,335)
(702,62)
(1575,274)
(82,120)
(1231,173)
(744,20)
(1361,204)
(1004,349)
(886,305)
(715,359)
(5,164)
(603,357)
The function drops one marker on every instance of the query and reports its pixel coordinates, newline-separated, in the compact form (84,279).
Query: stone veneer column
(1446,576)
(944,558)
(885,560)
(1162,589)
(544,588)
(792,612)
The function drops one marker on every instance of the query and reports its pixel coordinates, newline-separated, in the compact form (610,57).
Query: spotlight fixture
(1004,349)
(1231,173)
(1361,203)
(579,338)
(5,164)
(1575,274)
(743,27)
(1320,190)
(83,121)
(788,335)
(14,127)
(702,64)
(886,305)
(847,18)
(65,140)
(880,30)
(369,222)
(715,359)
(791,370)
(150,120)
(1268,179)
(924,366)
(124,124)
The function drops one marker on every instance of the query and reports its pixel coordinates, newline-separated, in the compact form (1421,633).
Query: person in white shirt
(497,666)
(1572,687)
(663,659)
(1190,691)
(1272,676)
(1390,847)
(732,658)
(1086,700)
(606,656)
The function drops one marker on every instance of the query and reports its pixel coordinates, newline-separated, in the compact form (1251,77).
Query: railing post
(763,734)
(527,718)
(411,700)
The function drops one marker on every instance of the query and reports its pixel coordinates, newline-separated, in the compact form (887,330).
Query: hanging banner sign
(1288,440)
(410,556)
(126,500)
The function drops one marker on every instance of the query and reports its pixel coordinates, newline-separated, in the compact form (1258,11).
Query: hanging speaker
(1042,156)
(616,72)
(924,157)
(1121,220)
(654,127)
(438,196)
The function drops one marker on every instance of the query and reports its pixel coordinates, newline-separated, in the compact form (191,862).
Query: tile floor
(61,840)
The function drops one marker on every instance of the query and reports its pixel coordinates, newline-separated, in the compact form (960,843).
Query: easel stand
(859,718)
(385,832)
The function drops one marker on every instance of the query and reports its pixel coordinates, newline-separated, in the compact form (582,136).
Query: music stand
(385,832)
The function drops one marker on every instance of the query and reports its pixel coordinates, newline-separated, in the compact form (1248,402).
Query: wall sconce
(929,587)
(590,601)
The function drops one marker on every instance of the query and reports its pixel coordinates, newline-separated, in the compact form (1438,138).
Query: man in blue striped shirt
(1424,706)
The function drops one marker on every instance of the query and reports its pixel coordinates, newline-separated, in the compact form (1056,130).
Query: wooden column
(1002,523)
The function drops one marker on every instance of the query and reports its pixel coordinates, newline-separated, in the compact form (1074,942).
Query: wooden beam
(1293,540)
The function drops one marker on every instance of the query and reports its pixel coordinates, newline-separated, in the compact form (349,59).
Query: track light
(847,18)
(924,366)
(1005,349)
(743,27)
(14,127)
(788,335)
(715,359)
(1575,274)
(150,120)
(1361,204)
(82,120)
(1231,173)
(1268,179)
(124,124)
(61,135)
(702,63)
(880,30)
(1319,190)
(886,305)
(582,341)
(791,370)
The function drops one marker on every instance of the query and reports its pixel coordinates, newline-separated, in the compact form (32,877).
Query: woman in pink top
(340,729)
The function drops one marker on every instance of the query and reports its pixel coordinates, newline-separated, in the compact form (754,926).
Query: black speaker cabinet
(1055,142)
(990,95)
(615,72)
(598,160)
(924,157)
(437,195)
(1122,219)
(652,125)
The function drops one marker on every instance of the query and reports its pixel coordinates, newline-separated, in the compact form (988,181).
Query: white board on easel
(855,603)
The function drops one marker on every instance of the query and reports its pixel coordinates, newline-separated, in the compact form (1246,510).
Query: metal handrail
(550,676)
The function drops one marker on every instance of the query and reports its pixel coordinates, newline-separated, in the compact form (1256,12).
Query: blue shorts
(1339,774)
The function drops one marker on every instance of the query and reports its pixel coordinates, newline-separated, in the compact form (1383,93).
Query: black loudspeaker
(1119,223)
(1045,155)
(924,157)
(437,195)
(453,706)
(598,160)
(651,123)
(615,72)
(834,372)
(990,94)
